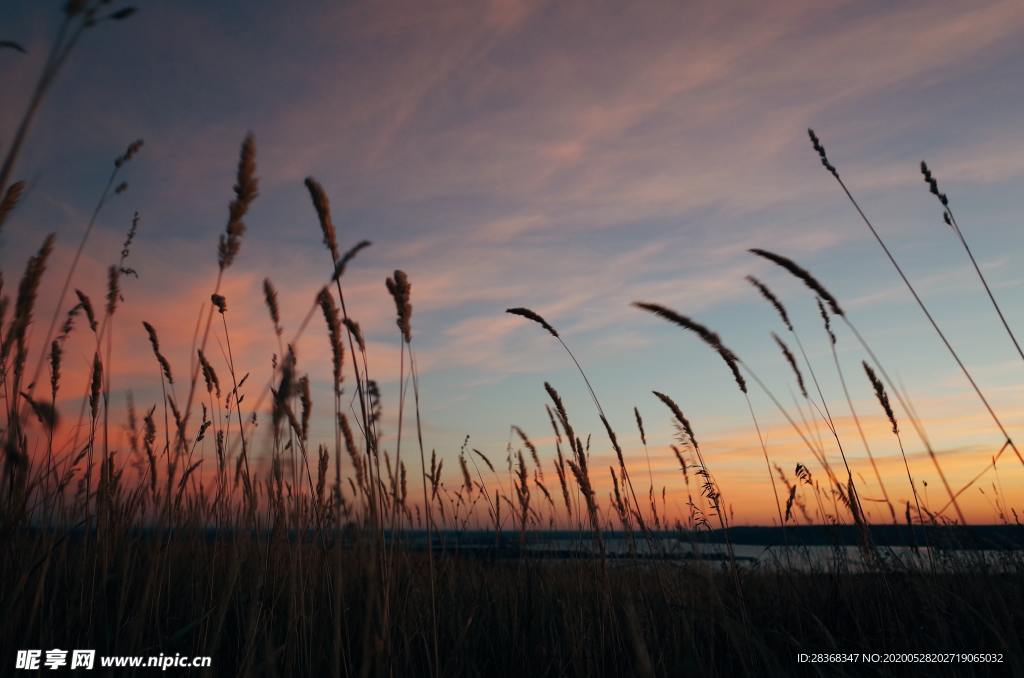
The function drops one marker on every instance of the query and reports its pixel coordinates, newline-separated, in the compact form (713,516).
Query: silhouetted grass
(179,542)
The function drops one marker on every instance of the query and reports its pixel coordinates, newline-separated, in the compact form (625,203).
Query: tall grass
(184,530)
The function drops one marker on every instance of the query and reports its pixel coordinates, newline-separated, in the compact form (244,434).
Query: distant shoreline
(964,537)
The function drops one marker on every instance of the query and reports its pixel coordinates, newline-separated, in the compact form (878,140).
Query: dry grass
(306,566)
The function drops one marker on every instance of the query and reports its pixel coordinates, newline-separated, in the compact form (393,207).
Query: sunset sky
(571,157)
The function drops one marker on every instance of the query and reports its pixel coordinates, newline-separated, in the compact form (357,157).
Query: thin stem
(427,504)
(104,196)
(860,429)
(597,403)
(824,462)
(910,478)
(853,413)
(764,449)
(981,277)
(935,325)
(913,419)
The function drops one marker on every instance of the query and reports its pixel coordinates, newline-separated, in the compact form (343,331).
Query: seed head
(707,336)
(401,290)
(821,153)
(803,275)
(535,317)
(323,212)
(246,190)
(771,299)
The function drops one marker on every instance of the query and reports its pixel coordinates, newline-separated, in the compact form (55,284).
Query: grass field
(179,533)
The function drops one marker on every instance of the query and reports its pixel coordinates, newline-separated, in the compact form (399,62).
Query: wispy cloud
(518,152)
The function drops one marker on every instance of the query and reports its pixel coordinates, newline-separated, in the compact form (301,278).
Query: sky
(571,157)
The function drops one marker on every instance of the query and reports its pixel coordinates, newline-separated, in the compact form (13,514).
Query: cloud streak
(562,156)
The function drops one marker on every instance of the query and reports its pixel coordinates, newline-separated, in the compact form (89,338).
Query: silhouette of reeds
(770,296)
(624,471)
(129,540)
(731,360)
(888,253)
(823,294)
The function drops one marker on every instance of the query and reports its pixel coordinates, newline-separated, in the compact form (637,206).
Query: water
(814,558)
(623,549)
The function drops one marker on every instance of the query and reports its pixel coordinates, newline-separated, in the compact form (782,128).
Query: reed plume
(246,190)
(640,425)
(707,336)
(467,479)
(827,320)
(399,287)
(529,445)
(154,342)
(56,353)
(803,275)
(270,297)
(323,212)
(820,150)
(883,400)
(650,472)
(306,401)
(342,265)
(483,457)
(113,289)
(86,304)
(129,153)
(771,299)
(284,391)
(28,291)
(560,472)
(789,502)
(681,419)
(10,200)
(323,462)
(95,384)
(535,317)
(883,397)
(788,355)
(352,450)
(126,249)
(357,333)
(45,412)
(330,311)
(209,374)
